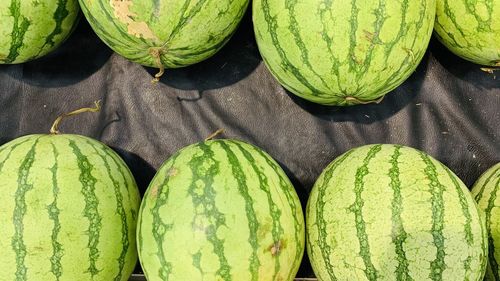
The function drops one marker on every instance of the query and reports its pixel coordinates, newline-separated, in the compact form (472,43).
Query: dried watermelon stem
(54,129)
(358,101)
(156,54)
(214,134)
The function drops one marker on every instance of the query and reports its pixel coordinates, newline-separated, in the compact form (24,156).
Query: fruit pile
(223,209)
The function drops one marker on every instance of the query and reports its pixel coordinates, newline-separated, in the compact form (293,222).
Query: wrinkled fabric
(448,108)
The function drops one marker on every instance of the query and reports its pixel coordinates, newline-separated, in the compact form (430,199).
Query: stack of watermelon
(224,209)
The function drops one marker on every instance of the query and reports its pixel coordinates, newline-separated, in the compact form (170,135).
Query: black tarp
(448,108)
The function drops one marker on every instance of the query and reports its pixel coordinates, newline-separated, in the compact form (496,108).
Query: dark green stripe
(162,191)
(118,27)
(21,25)
(271,66)
(410,62)
(484,247)
(357,208)
(23,186)
(274,211)
(197,262)
(294,29)
(105,36)
(90,211)
(469,236)
(253,223)
(380,14)
(129,39)
(185,19)
(326,8)
(53,210)
(12,148)
(204,168)
(129,181)
(436,189)
(291,198)
(389,46)
(120,210)
(479,195)
(399,233)
(287,64)
(59,16)
(451,16)
(482,25)
(353,24)
(321,221)
(491,246)
(179,56)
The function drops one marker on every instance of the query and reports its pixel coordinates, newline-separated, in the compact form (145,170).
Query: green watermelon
(68,210)
(220,210)
(342,52)
(30,29)
(470,29)
(164,33)
(389,212)
(487,191)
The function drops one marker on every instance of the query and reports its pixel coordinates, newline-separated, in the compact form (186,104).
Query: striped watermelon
(68,210)
(389,212)
(164,33)
(342,52)
(487,191)
(30,29)
(220,210)
(470,29)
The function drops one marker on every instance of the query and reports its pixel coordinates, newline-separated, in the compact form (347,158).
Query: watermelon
(164,33)
(30,29)
(342,52)
(220,210)
(390,212)
(486,191)
(470,29)
(68,210)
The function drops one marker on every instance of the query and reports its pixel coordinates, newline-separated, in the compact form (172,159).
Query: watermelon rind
(220,210)
(164,33)
(31,29)
(486,191)
(470,29)
(342,52)
(68,210)
(390,212)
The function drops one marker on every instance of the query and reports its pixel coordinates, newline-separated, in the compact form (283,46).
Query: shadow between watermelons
(4,140)
(392,103)
(463,69)
(305,269)
(75,60)
(235,61)
(143,172)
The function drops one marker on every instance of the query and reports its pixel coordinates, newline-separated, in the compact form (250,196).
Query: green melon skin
(487,193)
(342,52)
(68,210)
(220,210)
(389,212)
(30,29)
(470,29)
(182,32)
